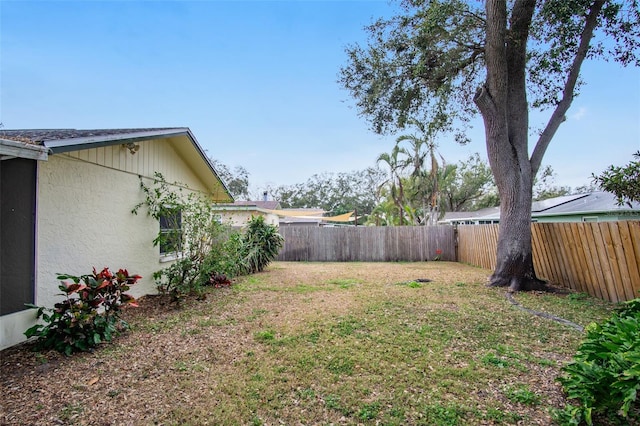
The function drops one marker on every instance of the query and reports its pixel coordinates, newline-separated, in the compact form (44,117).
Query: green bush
(89,315)
(261,243)
(604,375)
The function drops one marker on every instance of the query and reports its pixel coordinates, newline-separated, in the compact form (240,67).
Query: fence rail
(601,258)
(367,244)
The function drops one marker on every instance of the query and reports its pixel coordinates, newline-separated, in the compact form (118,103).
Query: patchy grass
(316,343)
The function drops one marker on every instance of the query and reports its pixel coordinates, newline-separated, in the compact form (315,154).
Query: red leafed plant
(90,313)
(438,254)
(219,281)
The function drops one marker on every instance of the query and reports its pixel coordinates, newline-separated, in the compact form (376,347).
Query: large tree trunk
(502,102)
(514,267)
(514,178)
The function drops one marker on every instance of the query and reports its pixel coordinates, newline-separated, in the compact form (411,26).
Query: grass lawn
(313,344)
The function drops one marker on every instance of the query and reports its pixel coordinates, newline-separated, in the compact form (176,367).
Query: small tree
(624,182)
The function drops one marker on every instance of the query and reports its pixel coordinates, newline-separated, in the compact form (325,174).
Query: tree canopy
(624,182)
(427,62)
(334,192)
(237,180)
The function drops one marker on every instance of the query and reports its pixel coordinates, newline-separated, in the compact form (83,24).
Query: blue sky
(255,82)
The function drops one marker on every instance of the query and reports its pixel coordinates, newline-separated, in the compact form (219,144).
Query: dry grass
(314,343)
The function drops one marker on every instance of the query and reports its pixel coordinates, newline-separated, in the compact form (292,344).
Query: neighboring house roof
(598,202)
(268,205)
(549,203)
(65,140)
(489,212)
(591,203)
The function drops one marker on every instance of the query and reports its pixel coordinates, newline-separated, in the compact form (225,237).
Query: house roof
(18,149)
(550,203)
(65,140)
(486,213)
(594,202)
(268,205)
(579,204)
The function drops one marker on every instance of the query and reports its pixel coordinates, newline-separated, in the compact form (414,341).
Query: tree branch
(484,102)
(558,115)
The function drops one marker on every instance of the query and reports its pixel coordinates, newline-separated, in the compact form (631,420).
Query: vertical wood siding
(153,156)
(367,244)
(599,258)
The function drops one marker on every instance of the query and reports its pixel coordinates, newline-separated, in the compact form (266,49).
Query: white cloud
(579,114)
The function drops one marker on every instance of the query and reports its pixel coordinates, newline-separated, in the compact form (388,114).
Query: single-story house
(596,206)
(240,212)
(66,198)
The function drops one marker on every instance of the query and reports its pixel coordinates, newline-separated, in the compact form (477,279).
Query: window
(170,239)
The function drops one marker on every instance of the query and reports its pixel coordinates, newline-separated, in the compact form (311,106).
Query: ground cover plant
(315,343)
(604,376)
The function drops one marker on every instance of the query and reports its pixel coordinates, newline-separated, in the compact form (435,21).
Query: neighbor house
(66,200)
(591,207)
(240,212)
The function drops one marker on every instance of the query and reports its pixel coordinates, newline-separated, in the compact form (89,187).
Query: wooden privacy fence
(367,244)
(599,258)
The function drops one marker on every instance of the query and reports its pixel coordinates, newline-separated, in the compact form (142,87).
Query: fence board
(633,266)
(367,244)
(554,273)
(602,259)
(585,282)
(598,276)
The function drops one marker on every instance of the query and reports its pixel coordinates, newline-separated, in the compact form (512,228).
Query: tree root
(563,321)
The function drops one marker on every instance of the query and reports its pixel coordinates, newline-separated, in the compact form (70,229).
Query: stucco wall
(240,218)
(84,220)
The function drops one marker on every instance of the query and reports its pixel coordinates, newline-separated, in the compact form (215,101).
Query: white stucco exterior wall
(84,219)
(241,217)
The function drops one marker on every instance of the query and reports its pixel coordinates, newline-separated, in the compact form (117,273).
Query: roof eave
(231,208)
(11,149)
(74,144)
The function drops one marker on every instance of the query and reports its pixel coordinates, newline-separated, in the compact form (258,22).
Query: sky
(255,81)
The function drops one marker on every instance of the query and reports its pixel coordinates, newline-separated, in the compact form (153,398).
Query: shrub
(604,375)
(89,315)
(261,243)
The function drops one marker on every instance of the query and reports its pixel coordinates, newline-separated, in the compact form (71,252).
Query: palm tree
(416,157)
(395,180)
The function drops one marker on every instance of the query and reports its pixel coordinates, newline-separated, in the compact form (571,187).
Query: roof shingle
(38,136)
